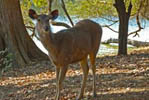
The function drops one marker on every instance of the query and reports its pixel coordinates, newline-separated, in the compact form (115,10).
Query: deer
(76,44)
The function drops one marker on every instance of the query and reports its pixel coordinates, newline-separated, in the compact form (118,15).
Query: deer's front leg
(57,69)
(61,77)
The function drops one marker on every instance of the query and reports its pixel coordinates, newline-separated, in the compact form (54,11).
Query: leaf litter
(117,78)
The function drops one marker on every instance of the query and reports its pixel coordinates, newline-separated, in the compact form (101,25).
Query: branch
(50,4)
(111,24)
(33,31)
(60,24)
(64,8)
(53,23)
(30,27)
(129,8)
(138,21)
(108,26)
(139,27)
(109,19)
(111,28)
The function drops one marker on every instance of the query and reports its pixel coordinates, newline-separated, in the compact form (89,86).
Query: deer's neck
(48,41)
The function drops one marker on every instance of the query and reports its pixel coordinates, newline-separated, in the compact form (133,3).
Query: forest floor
(118,78)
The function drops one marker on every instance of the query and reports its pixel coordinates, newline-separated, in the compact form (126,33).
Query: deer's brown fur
(69,46)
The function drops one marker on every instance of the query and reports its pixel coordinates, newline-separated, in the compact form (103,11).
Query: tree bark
(123,25)
(14,35)
(2,43)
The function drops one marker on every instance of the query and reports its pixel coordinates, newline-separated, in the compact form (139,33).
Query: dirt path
(118,78)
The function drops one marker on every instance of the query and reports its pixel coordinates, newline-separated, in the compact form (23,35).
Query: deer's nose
(46,28)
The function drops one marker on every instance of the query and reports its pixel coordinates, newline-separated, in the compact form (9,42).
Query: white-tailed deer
(69,46)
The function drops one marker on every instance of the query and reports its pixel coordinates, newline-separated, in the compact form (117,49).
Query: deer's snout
(46,28)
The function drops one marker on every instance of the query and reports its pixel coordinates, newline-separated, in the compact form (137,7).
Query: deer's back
(76,43)
(94,30)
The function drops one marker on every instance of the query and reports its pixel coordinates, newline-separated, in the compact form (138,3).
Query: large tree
(124,16)
(13,34)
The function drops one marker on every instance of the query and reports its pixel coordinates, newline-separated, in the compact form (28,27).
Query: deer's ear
(32,14)
(54,14)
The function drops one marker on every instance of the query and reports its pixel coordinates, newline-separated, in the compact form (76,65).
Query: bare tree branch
(139,27)
(129,8)
(109,19)
(32,29)
(64,8)
(60,24)
(111,24)
(50,5)
(53,23)
(110,28)
(138,21)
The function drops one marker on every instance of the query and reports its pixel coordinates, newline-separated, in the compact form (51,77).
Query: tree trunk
(2,43)
(14,35)
(123,25)
(123,34)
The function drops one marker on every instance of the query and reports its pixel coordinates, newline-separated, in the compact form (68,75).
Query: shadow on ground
(118,78)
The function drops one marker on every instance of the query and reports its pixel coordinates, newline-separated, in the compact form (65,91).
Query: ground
(118,78)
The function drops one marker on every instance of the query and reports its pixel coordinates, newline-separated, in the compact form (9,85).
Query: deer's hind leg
(93,68)
(85,68)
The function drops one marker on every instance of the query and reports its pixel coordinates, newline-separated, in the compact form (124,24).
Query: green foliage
(38,5)
(145,9)
(91,8)
(41,6)
(6,60)
(80,8)
(98,8)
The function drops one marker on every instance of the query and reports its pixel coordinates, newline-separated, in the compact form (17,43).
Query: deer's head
(42,20)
